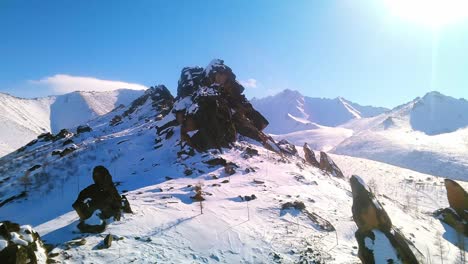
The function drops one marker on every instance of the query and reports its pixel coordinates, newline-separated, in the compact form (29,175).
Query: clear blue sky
(357,49)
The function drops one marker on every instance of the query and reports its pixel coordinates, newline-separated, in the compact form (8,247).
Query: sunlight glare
(433,13)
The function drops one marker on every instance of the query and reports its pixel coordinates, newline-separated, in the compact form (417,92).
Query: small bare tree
(199,196)
(25,181)
(440,247)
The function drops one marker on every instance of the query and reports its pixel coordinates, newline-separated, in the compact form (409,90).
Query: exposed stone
(160,98)
(457,198)
(99,200)
(309,156)
(287,148)
(212,109)
(372,221)
(23,244)
(62,134)
(328,165)
(83,129)
(108,241)
(46,136)
(456,215)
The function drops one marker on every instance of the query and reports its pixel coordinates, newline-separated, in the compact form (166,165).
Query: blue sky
(358,49)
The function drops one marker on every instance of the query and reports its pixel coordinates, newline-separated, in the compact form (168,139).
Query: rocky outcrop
(212,110)
(457,198)
(457,214)
(83,129)
(309,156)
(375,230)
(328,165)
(99,203)
(287,148)
(159,97)
(20,244)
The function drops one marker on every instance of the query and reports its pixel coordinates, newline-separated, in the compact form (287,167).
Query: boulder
(20,244)
(375,230)
(328,165)
(99,203)
(159,97)
(63,134)
(457,198)
(309,156)
(456,215)
(83,129)
(287,148)
(368,213)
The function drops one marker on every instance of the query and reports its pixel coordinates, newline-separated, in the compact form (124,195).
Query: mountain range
(207,184)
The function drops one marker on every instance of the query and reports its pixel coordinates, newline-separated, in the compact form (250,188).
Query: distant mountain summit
(290,111)
(24,119)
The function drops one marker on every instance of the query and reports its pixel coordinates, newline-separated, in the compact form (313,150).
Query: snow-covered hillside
(406,136)
(264,201)
(428,134)
(24,119)
(290,111)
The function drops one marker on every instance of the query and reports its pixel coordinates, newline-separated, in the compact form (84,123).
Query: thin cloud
(249,83)
(63,83)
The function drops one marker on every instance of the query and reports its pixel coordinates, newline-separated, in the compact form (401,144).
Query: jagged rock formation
(20,244)
(309,156)
(457,214)
(328,165)
(99,202)
(375,230)
(212,110)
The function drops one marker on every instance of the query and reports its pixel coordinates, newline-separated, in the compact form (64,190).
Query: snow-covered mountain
(428,134)
(290,111)
(24,119)
(264,203)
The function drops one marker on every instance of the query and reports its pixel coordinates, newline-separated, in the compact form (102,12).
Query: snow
(382,248)
(3,243)
(167,225)
(24,119)
(290,111)
(17,239)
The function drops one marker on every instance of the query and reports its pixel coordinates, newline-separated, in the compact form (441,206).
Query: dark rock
(116,120)
(161,98)
(216,162)
(287,148)
(83,129)
(373,221)
(63,134)
(30,250)
(212,109)
(32,142)
(328,165)
(46,136)
(35,167)
(225,181)
(56,152)
(108,241)
(310,156)
(298,205)
(67,150)
(67,142)
(230,169)
(100,199)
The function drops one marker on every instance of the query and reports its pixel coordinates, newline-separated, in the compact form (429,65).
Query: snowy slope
(167,226)
(23,119)
(411,136)
(289,111)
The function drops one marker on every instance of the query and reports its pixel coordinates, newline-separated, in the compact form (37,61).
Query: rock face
(99,202)
(20,244)
(310,156)
(457,198)
(375,230)
(456,215)
(212,110)
(328,165)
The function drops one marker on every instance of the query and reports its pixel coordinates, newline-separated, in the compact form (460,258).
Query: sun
(433,13)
